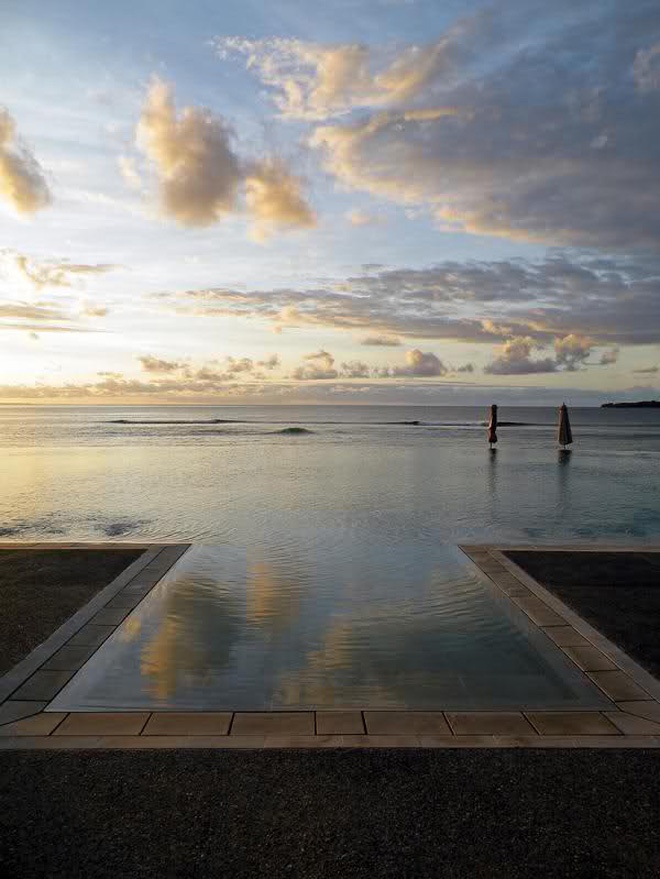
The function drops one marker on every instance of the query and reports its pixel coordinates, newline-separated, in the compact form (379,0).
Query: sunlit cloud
(612,301)
(274,199)
(22,181)
(202,178)
(358,217)
(51,273)
(198,171)
(488,137)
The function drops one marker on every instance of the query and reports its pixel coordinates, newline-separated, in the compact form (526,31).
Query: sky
(388,201)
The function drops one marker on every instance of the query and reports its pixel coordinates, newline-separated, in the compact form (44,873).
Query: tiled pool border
(632,721)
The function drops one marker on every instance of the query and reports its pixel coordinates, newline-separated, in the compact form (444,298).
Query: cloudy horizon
(374,202)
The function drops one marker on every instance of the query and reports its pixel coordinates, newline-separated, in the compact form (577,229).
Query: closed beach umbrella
(492,425)
(565,435)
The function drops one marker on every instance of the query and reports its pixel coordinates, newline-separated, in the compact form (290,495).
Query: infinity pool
(379,626)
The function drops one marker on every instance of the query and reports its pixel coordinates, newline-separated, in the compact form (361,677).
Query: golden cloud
(22,182)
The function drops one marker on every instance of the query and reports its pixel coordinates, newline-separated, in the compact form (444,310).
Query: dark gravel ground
(473,813)
(41,589)
(617,592)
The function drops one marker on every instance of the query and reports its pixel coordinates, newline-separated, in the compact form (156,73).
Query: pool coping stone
(632,719)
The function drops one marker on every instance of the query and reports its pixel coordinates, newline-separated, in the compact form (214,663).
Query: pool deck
(631,721)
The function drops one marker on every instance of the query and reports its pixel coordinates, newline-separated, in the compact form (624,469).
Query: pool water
(369,625)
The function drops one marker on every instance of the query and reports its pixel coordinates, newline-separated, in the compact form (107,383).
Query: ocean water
(295,483)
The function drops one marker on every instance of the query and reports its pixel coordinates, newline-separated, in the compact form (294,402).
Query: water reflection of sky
(368,625)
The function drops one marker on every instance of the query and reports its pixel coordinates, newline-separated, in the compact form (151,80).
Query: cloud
(610,357)
(201,177)
(646,68)
(572,351)
(355,369)
(320,365)
(156,364)
(381,341)
(22,182)
(419,363)
(517,122)
(313,81)
(274,199)
(358,217)
(52,273)
(95,311)
(198,172)
(611,300)
(515,359)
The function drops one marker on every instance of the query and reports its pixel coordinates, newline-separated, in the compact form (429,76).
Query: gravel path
(41,589)
(617,592)
(331,814)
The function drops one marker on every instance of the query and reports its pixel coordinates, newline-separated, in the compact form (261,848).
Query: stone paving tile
(381,741)
(124,600)
(273,723)
(648,709)
(406,723)
(617,685)
(90,636)
(43,685)
(632,725)
(566,636)
(589,658)
(538,611)
(37,725)
(193,723)
(103,724)
(571,723)
(339,722)
(69,658)
(303,741)
(109,616)
(15,709)
(500,723)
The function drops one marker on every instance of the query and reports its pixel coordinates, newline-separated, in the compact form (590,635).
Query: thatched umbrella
(564,435)
(492,426)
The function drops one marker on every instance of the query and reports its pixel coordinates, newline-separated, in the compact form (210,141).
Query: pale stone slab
(571,723)
(119,723)
(539,612)
(69,658)
(110,616)
(90,636)
(273,723)
(193,723)
(406,723)
(43,685)
(648,709)
(302,742)
(500,723)
(589,658)
(37,725)
(125,600)
(381,741)
(632,725)
(17,710)
(566,636)
(617,685)
(339,723)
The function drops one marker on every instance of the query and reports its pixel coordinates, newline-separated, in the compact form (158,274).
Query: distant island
(640,404)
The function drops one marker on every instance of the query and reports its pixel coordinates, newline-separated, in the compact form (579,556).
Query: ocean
(293,481)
